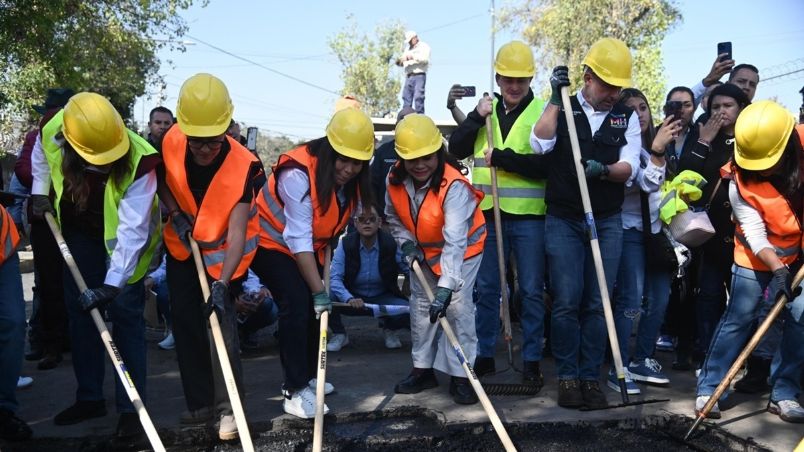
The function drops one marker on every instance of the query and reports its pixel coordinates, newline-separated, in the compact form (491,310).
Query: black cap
(56,98)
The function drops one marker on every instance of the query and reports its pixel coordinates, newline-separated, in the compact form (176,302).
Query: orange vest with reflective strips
(9,237)
(326,225)
(781,223)
(429,223)
(211,220)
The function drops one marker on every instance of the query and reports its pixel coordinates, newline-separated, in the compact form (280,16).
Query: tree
(106,46)
(270,146)
(369,73)
(562,30)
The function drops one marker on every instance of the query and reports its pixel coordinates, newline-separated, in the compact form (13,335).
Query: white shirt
(419,58)
(459,209)
(628,153)
(134,214)
(648,179)
(750,220)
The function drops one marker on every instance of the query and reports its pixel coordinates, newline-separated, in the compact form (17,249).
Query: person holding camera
(766,193)
(513,113)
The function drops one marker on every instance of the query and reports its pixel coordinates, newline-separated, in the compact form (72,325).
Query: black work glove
(595,169)
(412,252)
(217,297)
(558,79)
(781,284)
(181,224)
(438,308)
(321,302)
(41,204)
(97,298)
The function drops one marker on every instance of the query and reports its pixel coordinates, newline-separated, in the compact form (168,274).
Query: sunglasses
(201,144)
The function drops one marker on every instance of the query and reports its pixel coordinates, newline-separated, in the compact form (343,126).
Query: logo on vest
(618,121)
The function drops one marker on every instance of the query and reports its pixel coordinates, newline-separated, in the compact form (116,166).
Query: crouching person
(433,213)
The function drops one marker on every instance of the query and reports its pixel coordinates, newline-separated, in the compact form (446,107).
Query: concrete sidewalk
(364,374)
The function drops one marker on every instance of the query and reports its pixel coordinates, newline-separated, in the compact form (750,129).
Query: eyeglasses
(201,144)
(366,220)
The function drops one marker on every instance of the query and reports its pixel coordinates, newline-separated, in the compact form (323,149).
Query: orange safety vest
(9,237)
(429,223)
(211,220)
(326,225)
(784,231)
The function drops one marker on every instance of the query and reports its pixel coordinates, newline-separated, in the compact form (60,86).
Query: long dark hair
(648,135)
(73,167)
(325,177)
(787,176)
(399,173)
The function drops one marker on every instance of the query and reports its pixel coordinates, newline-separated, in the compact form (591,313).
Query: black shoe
(484,366)
(532,375)
(756,379)
(81,411)
(569,394)
(13,428)
(49,361)
(462,391)
(416,382)
(129,426)
(593,397)
(35,354)
(683,361)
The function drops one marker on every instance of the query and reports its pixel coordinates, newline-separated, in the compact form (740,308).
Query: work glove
(181,224)
(558,79)
(781,284)
(594,169)
(97,298)
(438,307)
(411,252)
(217,298)
(321,303)
(41,204)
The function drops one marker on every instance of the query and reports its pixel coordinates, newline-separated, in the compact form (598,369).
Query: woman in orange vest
(12,330)
(767,197)
(306,203)
(209,188)
(433,213)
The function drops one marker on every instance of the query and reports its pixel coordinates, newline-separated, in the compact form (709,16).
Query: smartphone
(673,108)
(724,47)
(251,139)
(469,91)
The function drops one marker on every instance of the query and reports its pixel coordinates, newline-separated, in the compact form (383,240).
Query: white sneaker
(337,342)
(391,339)
(302,404)
(788,410)
(227,429)
(700,401)
(168,343)
(328,388)
(24,382)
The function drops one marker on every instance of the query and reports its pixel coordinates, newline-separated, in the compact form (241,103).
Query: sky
(291,38)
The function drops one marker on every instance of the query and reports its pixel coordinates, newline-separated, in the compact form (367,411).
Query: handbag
(659,251)
(693,228)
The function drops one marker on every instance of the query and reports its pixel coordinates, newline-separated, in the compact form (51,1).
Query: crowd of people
(132,209)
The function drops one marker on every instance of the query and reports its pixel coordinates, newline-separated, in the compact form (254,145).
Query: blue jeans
(12,331)
(635,282)
(128,325)
(414,92)
(747,294)
(578,335)
(526,239)
(391,322)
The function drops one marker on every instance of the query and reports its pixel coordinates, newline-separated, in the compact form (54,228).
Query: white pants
(431,348)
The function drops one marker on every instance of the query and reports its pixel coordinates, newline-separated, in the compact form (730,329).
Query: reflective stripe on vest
(428,225)
(211,218)
(9,236)
(784,232)
(518,194)
(325,225)
(112,195)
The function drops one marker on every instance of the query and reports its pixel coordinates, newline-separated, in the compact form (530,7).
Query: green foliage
(368,64)
(561,31)
(270,146)
(106,46)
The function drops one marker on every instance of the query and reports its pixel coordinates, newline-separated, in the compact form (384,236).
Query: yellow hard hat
(761,133)
(416,136)
(351,133)
(610,60)
(204,108)
(94,129)
(514,59)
